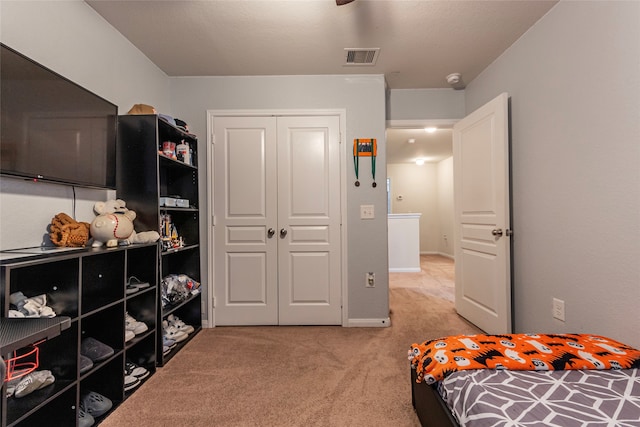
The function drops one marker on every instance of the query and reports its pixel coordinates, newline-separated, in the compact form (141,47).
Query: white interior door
(277,249)
(482,246)
(245,210)
(309,218)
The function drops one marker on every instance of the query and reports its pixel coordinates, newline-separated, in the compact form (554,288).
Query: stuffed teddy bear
(113,225)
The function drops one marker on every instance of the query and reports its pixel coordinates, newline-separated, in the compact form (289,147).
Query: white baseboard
(368,323)
(404,270)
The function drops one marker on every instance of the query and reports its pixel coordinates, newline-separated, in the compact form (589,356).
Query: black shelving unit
(145,174)
(86,290)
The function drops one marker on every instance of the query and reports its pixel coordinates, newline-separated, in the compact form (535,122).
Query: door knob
(497,232)
(271,232)
(283,232)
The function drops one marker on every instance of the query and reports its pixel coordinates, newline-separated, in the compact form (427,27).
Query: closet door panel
(245,211)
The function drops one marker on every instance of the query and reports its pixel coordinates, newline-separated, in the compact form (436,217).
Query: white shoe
(172,333)
(131,324)
(179,324)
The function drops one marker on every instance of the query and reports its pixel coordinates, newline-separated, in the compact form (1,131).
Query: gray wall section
(421,104)
(574,83)
(363,99)
(73,40)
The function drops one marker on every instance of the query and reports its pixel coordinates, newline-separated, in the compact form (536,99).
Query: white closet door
(245,209)
(277,221)
(309,213)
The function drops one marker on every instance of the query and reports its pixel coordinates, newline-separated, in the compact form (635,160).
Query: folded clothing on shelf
(22,306)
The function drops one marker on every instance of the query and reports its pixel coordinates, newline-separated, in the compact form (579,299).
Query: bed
(525,380)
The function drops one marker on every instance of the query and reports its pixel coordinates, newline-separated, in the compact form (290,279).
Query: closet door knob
(497,232)
(271,232)
(283,233)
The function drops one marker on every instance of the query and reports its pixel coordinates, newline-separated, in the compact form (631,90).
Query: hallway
(437,277)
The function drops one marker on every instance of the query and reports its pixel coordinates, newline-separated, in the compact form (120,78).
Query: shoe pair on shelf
(132,327)
(92,405)
(134,285)
(175,329)
(29,383)
(133,375)
(95,350)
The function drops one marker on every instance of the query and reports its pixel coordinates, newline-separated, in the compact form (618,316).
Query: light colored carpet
(295,376)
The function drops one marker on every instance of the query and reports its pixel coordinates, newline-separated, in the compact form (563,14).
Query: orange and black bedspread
(435,359)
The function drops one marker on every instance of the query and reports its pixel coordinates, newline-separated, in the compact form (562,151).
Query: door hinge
(213,139)
(213,302)
(213,220)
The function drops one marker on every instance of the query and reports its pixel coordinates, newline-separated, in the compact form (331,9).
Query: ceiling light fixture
(419,162)
(411,141)
(430,130)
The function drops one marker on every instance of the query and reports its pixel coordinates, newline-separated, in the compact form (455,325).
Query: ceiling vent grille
(361,56)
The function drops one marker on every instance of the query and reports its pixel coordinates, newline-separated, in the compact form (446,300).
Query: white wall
(574,82)
(363,98)
(418,186)
(73,40)
(426,189)
(445,207)
(432,104)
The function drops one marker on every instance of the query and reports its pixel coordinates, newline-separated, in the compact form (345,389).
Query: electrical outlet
(370,280)
(558,309)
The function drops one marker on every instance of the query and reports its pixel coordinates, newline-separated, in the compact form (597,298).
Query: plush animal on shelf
(113,225)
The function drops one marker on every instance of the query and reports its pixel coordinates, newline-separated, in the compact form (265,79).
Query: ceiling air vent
(361,56)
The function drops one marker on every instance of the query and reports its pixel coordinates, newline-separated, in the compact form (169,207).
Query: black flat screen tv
(52,129)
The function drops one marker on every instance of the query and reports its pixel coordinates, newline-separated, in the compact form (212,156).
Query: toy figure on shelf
(170,237)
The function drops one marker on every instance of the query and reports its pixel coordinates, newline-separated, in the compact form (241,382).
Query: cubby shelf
(86,290)
(144,175)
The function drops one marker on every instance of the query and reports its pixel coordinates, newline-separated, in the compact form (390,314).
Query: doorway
(420,173)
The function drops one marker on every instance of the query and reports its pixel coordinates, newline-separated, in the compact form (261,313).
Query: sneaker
(131,382)
(136,371)
(85,364)
(172,333)
(95,404)
(179,324)
(167,345)
(84,419)
(131,324)
(134,285)
(128,335)
(28,385)
(95,350)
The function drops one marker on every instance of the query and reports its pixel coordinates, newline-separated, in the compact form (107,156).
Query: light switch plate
(367,212)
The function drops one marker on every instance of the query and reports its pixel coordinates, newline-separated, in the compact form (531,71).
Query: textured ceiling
(420,42)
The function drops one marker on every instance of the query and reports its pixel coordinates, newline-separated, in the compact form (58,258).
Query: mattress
(566,398)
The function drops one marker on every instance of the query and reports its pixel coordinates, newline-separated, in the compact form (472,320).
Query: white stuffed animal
(114,225)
